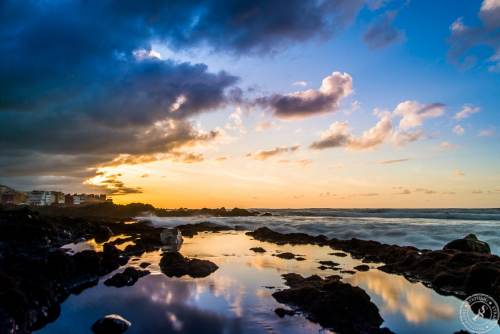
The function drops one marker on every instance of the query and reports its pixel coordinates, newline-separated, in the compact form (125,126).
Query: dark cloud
(382,32)
(112,185)
(81,85)
(264,155)
(310,102)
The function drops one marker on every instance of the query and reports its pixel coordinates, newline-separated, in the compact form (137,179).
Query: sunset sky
(342,103)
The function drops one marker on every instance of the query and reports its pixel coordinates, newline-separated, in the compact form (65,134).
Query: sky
(283,104)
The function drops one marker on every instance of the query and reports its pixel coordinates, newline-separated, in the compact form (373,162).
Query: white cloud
(458,25)
(413,113)
(490,13)
(458,130)
(300,83)
(338,135)
(486,133)
(409,130)
(466,111)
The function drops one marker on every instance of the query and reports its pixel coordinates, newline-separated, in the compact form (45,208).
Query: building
(59,197)
(41,197)
(13,197)
(68,199)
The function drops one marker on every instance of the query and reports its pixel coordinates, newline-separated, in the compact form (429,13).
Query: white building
(40,197)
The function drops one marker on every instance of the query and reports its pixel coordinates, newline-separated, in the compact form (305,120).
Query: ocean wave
(429,232)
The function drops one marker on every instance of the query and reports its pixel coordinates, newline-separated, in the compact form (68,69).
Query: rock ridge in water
(331,303)
(176,265)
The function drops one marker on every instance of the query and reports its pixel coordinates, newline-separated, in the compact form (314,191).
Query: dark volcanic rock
(448,271)
(266,234)
(340,254)
(127,278)
(281,312)
(144,265)
(331,303)
(285,255)
(190,230)
(258,249)
(329,263)
(176,265)
(111,324)
(362,267)
(469,243)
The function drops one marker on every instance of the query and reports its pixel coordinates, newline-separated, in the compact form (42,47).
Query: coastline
(31,249)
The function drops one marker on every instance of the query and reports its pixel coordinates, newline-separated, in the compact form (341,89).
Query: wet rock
(332,304)
(127,278)
(469,243)
(329,263)
(190,230)
(281,312)
(144,265)
(266,214)
(285,255)
(362,267)
(258,249)
(176,265)
(347,272)
(448,271)
(266,234)
(103,233)
(171,239)
(339,254)
(111,324)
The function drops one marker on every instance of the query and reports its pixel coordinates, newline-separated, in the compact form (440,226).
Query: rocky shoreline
(36,275)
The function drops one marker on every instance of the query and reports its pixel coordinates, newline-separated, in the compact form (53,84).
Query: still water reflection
(237,297)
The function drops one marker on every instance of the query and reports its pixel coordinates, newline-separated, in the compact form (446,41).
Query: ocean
(422,228)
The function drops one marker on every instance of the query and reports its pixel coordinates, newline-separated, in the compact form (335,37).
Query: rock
(462,332)
(266,234)
(329,263)
(266,214)
(190,230)
(347,272)
(176,265)
(300,258)
(111,324)
(362,267)
(103,234)
(171,239)
(127,278)
(332,303)
(285,255)
(281,312)
(258,249)
(144,265)
(339,254)
(469,243)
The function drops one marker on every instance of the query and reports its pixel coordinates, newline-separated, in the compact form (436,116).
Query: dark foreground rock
(266,234)
(469,243)
(111,324)
(190,230)
(258,249)
(289,256)
(362,267)
(332,304)
(448,271)
(176,265)
(127,278)
(281,312)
